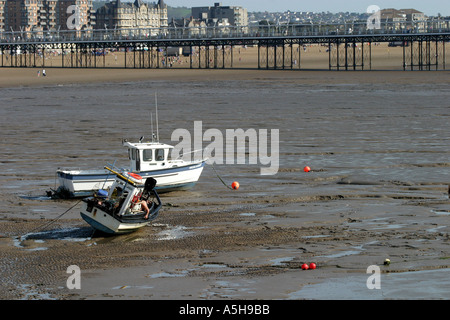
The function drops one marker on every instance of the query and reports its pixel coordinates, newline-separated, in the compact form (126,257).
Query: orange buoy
(135,176)
(307,169)
(235,185)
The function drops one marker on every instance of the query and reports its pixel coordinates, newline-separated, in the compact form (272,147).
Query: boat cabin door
(135,159)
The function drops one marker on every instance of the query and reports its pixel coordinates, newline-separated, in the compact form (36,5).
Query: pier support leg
(231,52)
(190,56)
(404,61)
(223,56)
(329,55)
(354,55)
(337,56)
(443,55)
(362,55)
(259,55)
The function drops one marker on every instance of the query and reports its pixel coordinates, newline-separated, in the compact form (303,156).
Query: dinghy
(129,205)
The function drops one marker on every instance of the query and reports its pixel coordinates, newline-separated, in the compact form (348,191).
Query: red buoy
(307,169)
(312,265)
(135,175)
(305,266)
(235,185)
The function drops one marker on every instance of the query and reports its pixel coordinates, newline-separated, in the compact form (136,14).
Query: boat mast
(156,105)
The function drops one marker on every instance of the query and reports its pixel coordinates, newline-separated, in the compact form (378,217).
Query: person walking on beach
(43,73)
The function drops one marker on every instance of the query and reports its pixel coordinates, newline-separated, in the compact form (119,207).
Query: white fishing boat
(148,159)
(129,205)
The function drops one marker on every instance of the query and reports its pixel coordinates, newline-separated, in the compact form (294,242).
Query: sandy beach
(377,143)
(245,67)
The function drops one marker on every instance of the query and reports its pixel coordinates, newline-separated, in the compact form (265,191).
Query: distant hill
(178,12)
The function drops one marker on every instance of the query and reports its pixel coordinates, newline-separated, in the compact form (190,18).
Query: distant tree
(178,12)
(266,23)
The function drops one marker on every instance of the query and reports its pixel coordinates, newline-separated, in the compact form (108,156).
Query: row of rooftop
(51,15)
(56,15)
(389,14)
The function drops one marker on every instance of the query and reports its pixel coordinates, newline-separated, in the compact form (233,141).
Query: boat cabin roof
(147,145)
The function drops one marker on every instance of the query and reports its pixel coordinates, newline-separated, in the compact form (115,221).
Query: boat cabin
(123,193)
(148,156)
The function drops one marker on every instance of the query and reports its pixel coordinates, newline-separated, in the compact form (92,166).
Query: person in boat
(143,205)
(114,202)
(146,205)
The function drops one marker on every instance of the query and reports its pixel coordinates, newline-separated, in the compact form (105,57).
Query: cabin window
(132,155)
(159,155)
(148,155)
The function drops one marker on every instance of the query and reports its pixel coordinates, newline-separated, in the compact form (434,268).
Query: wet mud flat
(378,189)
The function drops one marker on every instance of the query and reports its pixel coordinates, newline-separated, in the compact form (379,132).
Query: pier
(348,46)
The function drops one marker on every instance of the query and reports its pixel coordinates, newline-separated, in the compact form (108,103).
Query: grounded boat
(129,205)
(148,159)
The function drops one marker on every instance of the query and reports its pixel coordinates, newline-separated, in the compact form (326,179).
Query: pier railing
(223,32)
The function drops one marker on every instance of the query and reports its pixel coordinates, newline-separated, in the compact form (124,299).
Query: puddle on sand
(317,236)
(133,287)
(30,293)
(434,284)
(36,241)
(432,230)
(441,212)
(36,197)
(281,261)
(358,250)
(213,265)
(383,223)
(174,233)
(168,275)
(226,289)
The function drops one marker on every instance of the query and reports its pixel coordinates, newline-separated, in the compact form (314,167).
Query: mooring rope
(50,222)
(221,178)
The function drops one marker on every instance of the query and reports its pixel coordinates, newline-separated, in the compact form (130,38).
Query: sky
(429,7)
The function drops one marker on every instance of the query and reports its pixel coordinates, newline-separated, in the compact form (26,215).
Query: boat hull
(107,224)
(79,183)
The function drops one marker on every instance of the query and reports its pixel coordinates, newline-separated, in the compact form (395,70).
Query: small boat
(148,159)
(129,205)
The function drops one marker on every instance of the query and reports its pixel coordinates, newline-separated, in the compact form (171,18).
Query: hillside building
(125,16)
(221,15)
(45,15)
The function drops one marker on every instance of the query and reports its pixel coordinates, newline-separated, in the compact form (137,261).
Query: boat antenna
(156,106)
(151,121)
